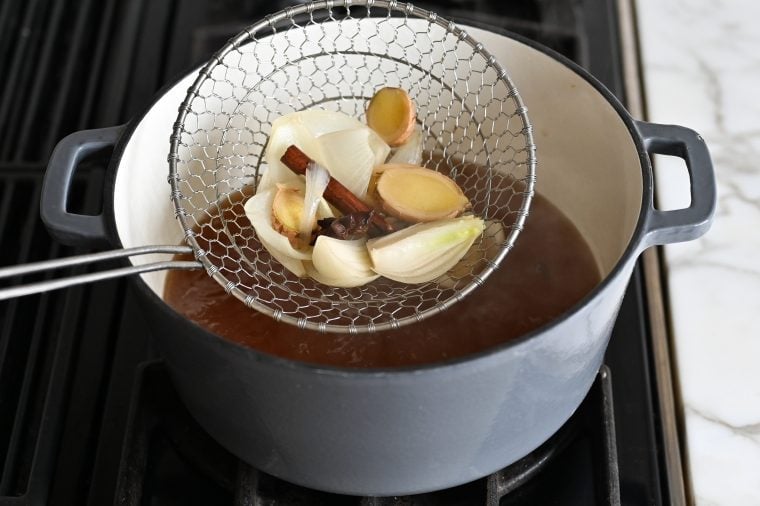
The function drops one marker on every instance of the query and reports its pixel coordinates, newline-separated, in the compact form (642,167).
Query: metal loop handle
(59,263)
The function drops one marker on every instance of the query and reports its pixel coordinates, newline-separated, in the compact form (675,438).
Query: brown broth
(549,269)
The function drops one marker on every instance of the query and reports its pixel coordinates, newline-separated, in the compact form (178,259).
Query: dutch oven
(411,429)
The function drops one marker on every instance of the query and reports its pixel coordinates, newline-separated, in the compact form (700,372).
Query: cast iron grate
(168,459)
(65,67)
(39,336)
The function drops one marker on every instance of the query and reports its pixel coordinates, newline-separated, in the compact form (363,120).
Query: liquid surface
(549,269)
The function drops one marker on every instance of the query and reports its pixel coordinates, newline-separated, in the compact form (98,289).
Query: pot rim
(480,357)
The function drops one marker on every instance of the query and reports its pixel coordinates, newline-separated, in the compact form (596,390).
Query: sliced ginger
(391,114)
(417,194)
(287,209)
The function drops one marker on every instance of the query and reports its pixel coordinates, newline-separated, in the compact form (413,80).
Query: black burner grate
(38,337)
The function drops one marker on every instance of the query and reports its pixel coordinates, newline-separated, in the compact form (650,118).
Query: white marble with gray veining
(701,64)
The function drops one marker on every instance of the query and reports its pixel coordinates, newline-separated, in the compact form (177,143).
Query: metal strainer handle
(60,263)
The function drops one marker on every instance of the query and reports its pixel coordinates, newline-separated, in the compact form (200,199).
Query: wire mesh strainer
(335,56)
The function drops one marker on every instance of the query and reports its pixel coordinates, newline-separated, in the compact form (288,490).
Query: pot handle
(665,227)
(70,228)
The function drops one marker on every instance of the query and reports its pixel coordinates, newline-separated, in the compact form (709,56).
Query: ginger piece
(391,113)
(287,208)
(417,194)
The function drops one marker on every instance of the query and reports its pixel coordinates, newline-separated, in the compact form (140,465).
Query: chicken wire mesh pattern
(335,56)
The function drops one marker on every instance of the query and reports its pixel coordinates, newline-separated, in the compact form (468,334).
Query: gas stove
(87,413)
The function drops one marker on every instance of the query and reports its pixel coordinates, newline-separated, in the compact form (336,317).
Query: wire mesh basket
(335,56)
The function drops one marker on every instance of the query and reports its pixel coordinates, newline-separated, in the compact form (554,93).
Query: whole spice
(335,193)
(347,227)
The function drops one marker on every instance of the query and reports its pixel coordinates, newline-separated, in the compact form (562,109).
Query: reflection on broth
(549,269)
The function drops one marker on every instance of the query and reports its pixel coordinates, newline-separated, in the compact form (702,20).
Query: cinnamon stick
(335,193)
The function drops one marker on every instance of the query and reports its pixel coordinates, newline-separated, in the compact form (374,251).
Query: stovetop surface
(70,361)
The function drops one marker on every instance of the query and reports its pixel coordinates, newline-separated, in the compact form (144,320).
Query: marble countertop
(701,69)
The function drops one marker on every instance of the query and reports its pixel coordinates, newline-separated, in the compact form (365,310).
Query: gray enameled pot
(404,431)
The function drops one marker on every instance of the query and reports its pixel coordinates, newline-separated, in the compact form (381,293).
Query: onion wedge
(475,258)
(350,155)
(317,179)
(347,148)
(286,131)
(341,263)
(424,251)
(409,152)
(258,210)
(294,265)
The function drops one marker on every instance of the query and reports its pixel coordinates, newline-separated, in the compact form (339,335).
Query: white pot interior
(587,162)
